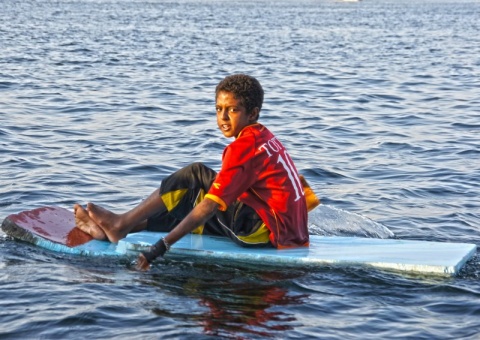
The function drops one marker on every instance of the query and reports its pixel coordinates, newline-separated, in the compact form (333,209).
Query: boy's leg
(161,211)
(117,226)
(167,206)
(181,192)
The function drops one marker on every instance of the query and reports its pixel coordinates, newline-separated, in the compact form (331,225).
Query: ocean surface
(377,101)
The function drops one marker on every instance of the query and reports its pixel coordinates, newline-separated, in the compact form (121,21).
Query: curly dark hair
(245,88)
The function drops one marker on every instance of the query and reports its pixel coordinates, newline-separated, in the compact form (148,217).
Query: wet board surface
(54,228)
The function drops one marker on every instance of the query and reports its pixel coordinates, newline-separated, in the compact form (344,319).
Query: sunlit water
(377,101)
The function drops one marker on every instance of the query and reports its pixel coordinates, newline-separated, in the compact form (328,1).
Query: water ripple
(377,102)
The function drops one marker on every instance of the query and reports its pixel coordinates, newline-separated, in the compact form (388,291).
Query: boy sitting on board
(257,198)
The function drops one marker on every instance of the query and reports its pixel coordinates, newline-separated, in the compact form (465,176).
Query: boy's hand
(145,258)
(142,263)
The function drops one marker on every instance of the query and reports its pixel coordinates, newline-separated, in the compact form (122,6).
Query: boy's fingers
(142,263)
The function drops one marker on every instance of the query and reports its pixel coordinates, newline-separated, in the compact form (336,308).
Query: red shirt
(257,170)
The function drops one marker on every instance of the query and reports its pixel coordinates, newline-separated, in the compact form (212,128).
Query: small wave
(329,221)
(466,126)
(7,84)
(322,173)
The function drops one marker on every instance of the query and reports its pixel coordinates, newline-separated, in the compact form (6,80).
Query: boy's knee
(195,175)
(196,167)
(199,170)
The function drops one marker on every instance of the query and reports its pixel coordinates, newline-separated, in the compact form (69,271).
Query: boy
(257,198)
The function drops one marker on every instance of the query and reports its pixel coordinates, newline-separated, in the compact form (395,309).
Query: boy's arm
(198,216)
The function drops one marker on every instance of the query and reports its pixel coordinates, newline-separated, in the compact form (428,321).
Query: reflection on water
(234,302)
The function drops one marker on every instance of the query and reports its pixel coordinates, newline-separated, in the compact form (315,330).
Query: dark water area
(377,101)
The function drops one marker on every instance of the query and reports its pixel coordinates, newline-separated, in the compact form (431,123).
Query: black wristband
(158,249)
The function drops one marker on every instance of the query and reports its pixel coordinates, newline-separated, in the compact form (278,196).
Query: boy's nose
(224,114)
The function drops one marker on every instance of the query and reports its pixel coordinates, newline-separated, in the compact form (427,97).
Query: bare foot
(86,224)
(111,223)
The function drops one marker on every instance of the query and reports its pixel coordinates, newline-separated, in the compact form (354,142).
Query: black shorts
(187,187)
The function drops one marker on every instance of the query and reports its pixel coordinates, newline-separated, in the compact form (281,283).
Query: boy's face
(232,116)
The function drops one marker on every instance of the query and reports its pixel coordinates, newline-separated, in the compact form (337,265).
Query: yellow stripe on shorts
(172,198)
(200,197)
(261,235)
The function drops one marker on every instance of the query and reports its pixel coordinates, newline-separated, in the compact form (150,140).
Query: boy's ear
(254,114)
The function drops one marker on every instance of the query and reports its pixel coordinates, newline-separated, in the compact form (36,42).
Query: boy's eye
(230,109)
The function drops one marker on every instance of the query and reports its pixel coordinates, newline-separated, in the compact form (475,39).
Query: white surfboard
(54,228)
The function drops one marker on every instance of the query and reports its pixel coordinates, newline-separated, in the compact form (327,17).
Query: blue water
(377,101)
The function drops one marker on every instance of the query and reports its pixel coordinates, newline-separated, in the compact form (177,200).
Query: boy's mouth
(225,127)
